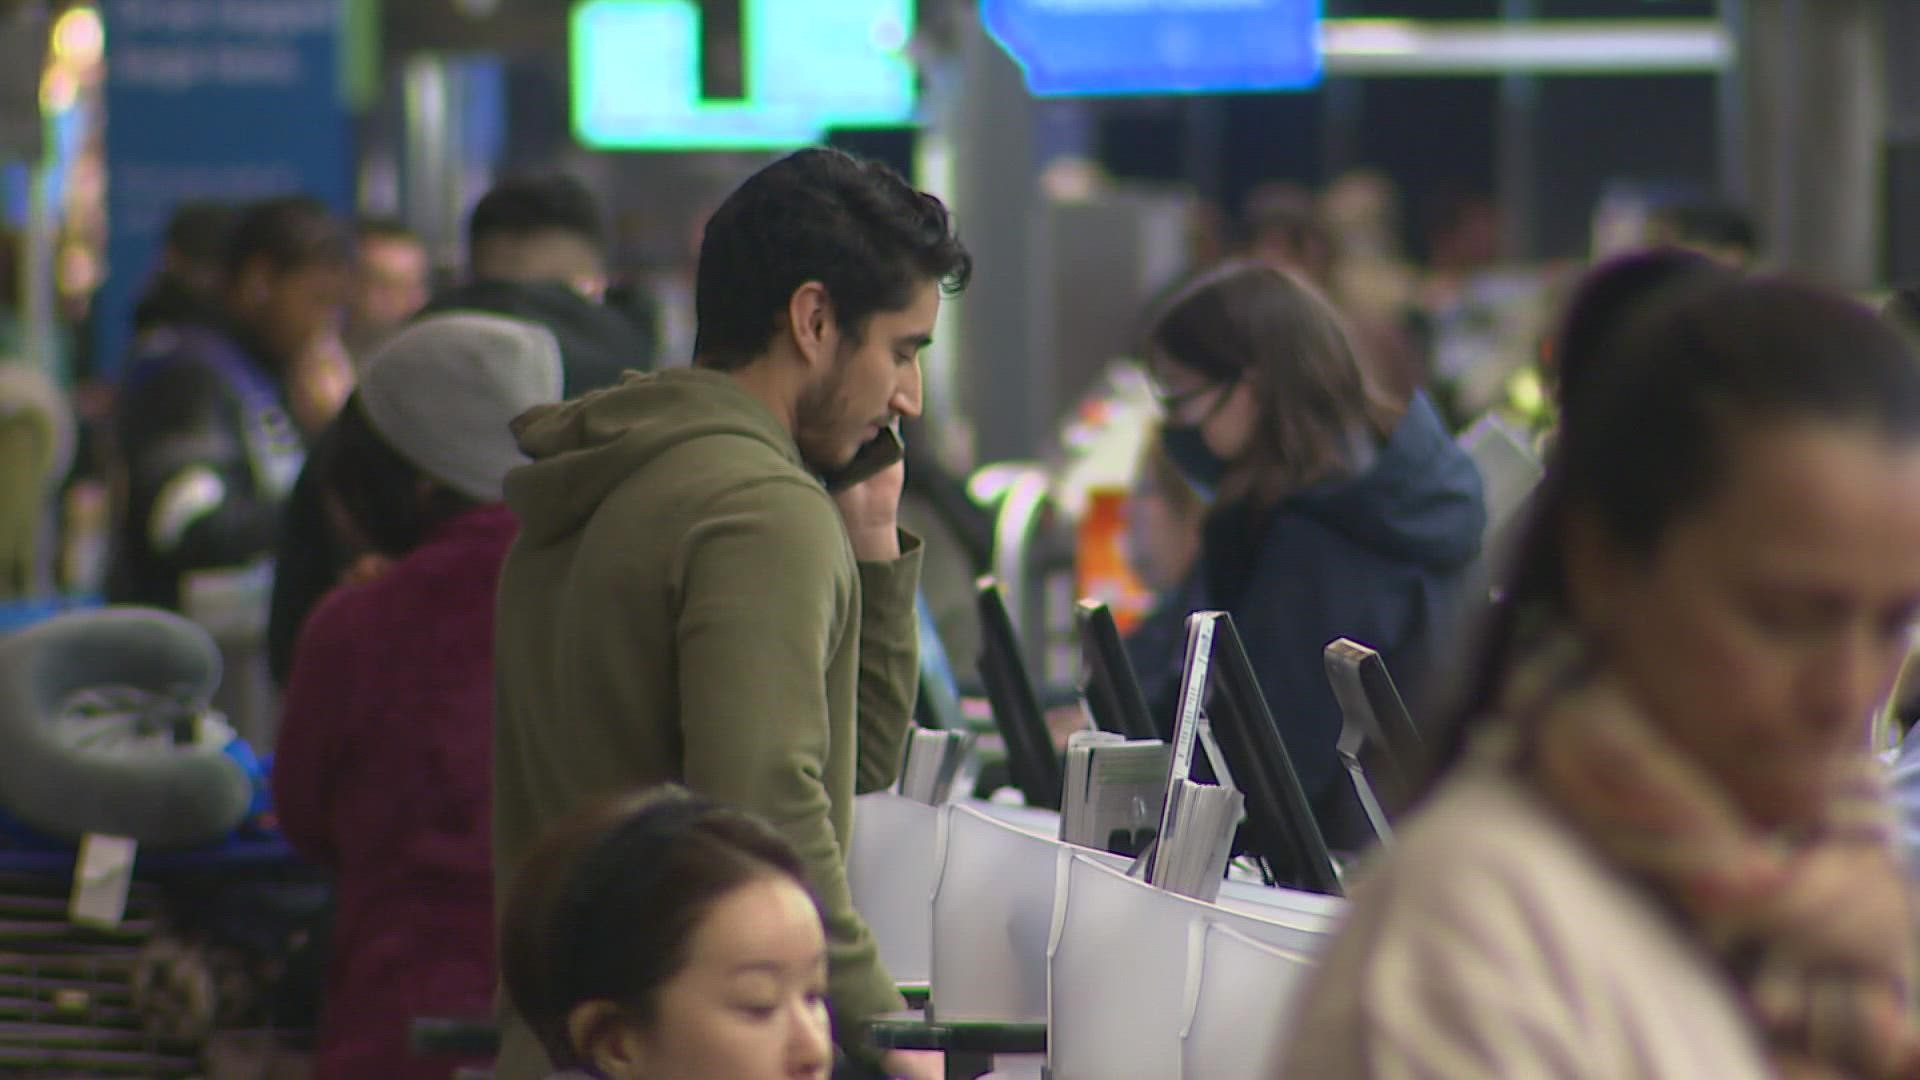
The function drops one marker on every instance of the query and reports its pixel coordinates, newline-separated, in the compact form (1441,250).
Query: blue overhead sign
(1084,47)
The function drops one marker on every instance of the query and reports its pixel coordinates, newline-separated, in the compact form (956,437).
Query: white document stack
(1111,798)
(933,761)
(1192,858)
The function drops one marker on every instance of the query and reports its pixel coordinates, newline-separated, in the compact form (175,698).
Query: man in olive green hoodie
(686,601)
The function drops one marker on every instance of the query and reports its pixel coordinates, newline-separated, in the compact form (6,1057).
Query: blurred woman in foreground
(1662,846)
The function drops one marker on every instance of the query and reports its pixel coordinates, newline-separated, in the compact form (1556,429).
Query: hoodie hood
(1419,500)
(583,449)
(597,344)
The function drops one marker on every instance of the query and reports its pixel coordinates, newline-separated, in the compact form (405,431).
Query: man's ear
(810,320)
(604,1039)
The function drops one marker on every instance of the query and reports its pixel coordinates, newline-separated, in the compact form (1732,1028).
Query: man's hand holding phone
(870,504)
(871,510)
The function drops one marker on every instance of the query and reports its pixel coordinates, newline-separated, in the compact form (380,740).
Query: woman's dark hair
(605,907)
(1250,321)
(1650,435)
(1604,302)
(392,504)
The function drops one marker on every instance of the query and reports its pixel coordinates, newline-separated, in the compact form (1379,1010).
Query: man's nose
(906,393)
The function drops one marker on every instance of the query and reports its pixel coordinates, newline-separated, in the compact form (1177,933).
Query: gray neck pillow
(162,794)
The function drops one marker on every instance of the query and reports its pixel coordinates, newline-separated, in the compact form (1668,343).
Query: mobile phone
(874,456)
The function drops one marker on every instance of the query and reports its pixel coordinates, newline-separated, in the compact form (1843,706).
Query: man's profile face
(872,382)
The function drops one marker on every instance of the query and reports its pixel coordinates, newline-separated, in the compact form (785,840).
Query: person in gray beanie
(444,391)
(383,769)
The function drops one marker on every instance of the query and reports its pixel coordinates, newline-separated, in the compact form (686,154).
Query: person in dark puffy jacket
(1335,512)
(205,450)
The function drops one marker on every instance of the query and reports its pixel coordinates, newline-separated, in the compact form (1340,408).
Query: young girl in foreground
(666,937)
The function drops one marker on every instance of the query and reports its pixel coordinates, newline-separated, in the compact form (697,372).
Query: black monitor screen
(1368,697)
(1016,708)
(1107,680)
(1281,829)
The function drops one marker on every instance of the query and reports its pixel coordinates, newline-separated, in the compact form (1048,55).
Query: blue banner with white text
(229,100)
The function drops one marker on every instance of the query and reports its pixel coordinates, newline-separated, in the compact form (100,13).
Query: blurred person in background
(1660,845)
(36,448)
(1718,230)
(318,382)
(711,963)
(391,281)
(1164,517)
(539,228)
(1284,230)
(1902,715)
(536,249)
(384,761)
(1209,235)
(1287,231)
(205,448)
(1464,233)
(1336,512)
(186,284)
(1373,281)
(534,245)
(388,286)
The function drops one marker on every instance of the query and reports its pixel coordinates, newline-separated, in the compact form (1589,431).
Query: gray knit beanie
(443,391)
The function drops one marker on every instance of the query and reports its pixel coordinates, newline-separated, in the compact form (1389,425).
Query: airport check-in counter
(1003,910)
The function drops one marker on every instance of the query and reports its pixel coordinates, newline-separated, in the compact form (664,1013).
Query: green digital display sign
(806,66)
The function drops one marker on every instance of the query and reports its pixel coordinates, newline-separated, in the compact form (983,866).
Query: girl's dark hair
(393,504)
(1246,320)
(605,907)
(1649,436)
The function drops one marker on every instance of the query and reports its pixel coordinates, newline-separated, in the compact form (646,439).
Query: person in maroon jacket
(384,762)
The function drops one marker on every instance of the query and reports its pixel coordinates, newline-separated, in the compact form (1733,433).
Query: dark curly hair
(854,226)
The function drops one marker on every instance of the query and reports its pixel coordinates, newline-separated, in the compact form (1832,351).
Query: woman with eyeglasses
(1333,513)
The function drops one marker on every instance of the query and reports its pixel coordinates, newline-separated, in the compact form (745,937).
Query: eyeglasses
(1175,406)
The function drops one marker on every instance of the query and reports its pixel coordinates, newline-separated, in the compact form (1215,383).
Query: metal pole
(1815,125)
(431,162)
(1516,162)
(1206,138)
(1731,99)
(1005,360)
(36,251)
